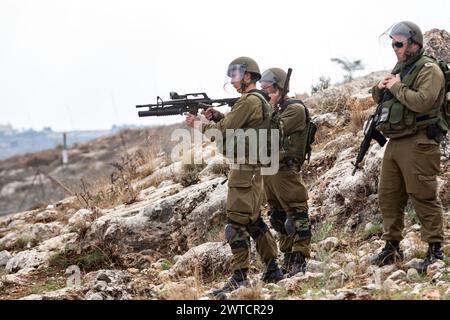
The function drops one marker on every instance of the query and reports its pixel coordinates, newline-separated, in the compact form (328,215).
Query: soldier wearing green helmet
(244,198)
(286,193)
(411,97)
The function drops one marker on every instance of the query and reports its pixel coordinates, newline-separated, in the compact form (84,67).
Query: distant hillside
(15,142)
(26,179)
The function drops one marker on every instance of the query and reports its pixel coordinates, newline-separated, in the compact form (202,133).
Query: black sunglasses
(397,44)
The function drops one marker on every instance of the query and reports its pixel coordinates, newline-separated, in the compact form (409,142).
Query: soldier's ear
(414,44)
(247,76)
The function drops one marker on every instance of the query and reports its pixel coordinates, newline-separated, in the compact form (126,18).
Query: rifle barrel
(180,106)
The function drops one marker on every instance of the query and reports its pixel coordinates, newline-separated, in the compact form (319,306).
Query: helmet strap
(243,84)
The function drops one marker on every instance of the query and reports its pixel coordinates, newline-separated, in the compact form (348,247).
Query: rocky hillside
(155,230)
(36,179)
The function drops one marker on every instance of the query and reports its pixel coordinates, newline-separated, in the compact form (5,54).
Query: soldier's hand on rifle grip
(210,113)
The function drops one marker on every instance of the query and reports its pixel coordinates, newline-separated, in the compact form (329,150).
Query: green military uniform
(285,191)
(411,160)
(245,190)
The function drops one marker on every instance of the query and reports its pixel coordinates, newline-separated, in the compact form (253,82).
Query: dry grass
(333,100)
(190,174)
(219,168)
(322,230)
(120,187)
(38,282)
(94,257)
(191,289)
(359,110)
(24,243)
(123,185)
(154,181)
(135,163)
(251,292)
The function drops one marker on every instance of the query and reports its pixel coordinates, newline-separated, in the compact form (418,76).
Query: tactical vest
(398,121)
(296,147)
(264,125)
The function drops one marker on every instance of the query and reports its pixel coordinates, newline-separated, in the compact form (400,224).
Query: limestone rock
(398,275)
(5,256)
(62,294)
(27,259)
(412,274)
(329,243)
(109,285)
(210,258)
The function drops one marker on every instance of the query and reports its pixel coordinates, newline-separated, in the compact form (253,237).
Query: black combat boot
(298,264)
(434,253)
(239,278)
(272,273)
(390,254)
(286,266)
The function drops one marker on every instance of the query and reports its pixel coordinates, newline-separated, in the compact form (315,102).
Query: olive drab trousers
(244,217)
(286,192)
(410,168)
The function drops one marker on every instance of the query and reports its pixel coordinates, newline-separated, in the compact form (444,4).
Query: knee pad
(236,237)
(302,227)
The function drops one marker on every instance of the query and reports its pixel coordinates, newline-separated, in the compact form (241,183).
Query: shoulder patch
(428,64)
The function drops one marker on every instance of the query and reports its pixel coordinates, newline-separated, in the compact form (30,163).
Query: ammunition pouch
(435,133)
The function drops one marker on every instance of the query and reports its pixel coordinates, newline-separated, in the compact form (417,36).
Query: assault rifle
(370,132)
(285,90)
(181,103)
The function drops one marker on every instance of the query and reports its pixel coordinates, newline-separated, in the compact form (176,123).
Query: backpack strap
(261,95)
(296,101)
(417,67)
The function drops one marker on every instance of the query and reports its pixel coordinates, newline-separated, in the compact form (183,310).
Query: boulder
(27,259)
(109,285)
(5,256)
(329,243)
(209,258)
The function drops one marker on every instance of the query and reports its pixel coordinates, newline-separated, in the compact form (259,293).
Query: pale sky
(85,64)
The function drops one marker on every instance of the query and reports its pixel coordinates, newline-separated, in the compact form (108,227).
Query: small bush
(375,229)
(47,286)
(166,264)
(359,111)
(91,259)
(334,100)
(24,243)
(191,174)
(219,168)
(322,231)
